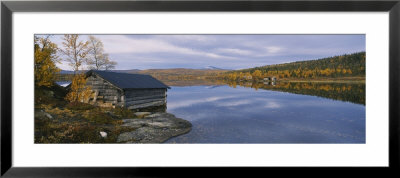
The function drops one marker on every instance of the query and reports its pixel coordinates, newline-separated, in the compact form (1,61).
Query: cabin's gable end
(104,93)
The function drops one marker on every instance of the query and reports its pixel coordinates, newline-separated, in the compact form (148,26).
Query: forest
(342,66)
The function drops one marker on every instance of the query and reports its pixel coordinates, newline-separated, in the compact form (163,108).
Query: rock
(154,128)
(154,115)
(142,114)
(48,115)
(103,134)
(42,114)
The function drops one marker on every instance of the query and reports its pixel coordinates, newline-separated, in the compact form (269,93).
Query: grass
(79,126)
(78,106)
(75,122)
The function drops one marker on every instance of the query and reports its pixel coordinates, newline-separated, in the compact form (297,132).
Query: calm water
(239,114)
(63,83)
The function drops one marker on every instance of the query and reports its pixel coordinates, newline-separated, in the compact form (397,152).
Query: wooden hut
(132,91)
(248,77)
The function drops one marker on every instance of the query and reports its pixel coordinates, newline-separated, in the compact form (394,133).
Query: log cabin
(133,91)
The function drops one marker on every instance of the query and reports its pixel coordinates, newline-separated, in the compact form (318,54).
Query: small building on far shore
(248,77)
(132,91)
(270,79)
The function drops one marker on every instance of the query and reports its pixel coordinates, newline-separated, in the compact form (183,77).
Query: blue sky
(222,51)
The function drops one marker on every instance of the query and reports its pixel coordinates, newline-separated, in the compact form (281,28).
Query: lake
(270,113)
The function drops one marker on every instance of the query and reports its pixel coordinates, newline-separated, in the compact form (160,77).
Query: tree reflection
(351,92)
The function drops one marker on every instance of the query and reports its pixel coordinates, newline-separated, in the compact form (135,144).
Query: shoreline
(324,81)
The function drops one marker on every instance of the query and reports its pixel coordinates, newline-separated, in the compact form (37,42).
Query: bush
(99,117)
(79,106)
(50,96)
(123,112)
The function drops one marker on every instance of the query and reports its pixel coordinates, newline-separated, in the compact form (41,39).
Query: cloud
(234,103)
(123,44)
(234,51)
(223,51)
(272,105)
(273,49)
(188,38)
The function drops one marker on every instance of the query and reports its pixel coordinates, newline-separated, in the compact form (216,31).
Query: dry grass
(75,122)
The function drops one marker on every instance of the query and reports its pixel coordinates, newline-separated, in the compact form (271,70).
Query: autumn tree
(74,51)
(45,56)
(256,74)
(247,76)
(109,64)
(79,91)
(97,59)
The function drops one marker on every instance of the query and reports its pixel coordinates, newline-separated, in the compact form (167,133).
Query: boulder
(154,128)
(48,115)
(42,114)
(103,134)
(142,114)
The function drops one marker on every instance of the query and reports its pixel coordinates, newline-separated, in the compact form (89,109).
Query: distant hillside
(181,73)
(348,65)
(127,71)
(69,71)
(121,71)
(161,74)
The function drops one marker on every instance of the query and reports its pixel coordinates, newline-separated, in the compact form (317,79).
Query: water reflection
(241,114)
(350,91)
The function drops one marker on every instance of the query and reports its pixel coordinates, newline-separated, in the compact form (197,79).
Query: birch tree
(74,51)
(98,59)
(109,64)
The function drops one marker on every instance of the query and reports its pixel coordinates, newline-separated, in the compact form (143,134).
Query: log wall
(139,98)
(106,94)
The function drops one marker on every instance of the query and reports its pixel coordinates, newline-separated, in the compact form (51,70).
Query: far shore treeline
(348,65)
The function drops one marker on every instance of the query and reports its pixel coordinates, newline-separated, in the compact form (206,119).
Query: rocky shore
(153,128)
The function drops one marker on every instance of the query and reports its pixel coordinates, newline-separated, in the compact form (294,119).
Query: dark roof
(129,81)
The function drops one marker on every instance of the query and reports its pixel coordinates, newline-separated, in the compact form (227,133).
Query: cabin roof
(129,81)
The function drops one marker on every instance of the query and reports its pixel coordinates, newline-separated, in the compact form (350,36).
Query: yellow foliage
(257,74)
(79,91)
(45,59)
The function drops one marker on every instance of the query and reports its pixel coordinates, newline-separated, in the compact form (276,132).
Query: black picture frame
(8,7)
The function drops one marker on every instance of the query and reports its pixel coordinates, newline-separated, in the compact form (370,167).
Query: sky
(221,51)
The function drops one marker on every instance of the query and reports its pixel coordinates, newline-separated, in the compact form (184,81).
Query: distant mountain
(212,68)
(181,73)
(119,71)
(127,71)
(70,71)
